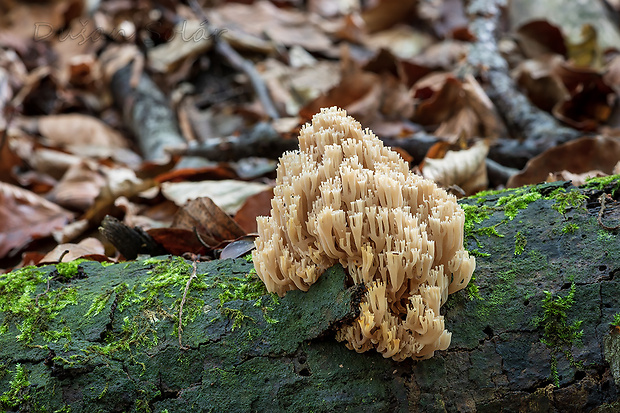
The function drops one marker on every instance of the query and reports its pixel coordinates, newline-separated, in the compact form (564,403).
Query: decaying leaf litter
(138,111)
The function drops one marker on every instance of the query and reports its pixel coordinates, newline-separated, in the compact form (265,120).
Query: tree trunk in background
(106,338)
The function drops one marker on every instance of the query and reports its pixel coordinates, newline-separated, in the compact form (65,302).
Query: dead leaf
(578,156)
(455,107)
(177,241)
(238,248)
(283,26)
(387,13)
(211,222)
(227,194)
(190,40)
(402,40)
(465,168)
(576,179)
(25,216)
(537,77)
(539,38)
(88,246)
(586,52)
(358,93)
(256,205)
(75,128)
(79,187)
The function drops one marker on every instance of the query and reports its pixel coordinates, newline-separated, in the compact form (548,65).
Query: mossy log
(533,333)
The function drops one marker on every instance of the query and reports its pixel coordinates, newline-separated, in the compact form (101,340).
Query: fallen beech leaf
(88,246)
(228,194)
(578,156)
(25,216)
(177,241)
(167,57)
(284,26)
(539,38)
(402,40)
(458,108)
(460,167)
(359,93)
(256,205)
(212,223)
(544,88)
(75,128)
(79,187)
(387,13)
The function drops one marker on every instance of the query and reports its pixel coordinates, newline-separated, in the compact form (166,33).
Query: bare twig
(262,140)
(239,63)
(180,329)
(601,199)
(537,129)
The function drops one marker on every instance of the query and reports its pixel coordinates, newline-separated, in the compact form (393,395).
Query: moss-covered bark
(92,338)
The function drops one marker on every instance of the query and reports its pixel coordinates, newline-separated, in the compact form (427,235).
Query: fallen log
(532,333)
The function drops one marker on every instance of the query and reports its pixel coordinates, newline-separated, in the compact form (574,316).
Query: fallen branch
(239,63)
(537,129)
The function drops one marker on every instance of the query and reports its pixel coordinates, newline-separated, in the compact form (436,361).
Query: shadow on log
(83,337)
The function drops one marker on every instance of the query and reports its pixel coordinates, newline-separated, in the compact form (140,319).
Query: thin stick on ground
(239,63)
(180,329)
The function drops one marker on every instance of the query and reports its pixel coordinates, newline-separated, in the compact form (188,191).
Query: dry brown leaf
(211,222)
(25,216)
(293,87)
(228,194)
(457,108)
(401,40)
(333,8)
(190,40)
(75,128)
(387,13)
(539,38)
(359,93)
(578,156)
(537,78)
(79,187)
(286,27)
(465,169)
(255,206)
(88,246)
(38,20)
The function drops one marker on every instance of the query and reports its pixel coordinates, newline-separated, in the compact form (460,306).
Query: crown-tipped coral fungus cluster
(345,198)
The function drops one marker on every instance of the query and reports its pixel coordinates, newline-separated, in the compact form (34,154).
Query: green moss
(512,204)
(604,236)
(249,287)
(480,196)
(490,231)
(567,200)
(237,316)
(520,242)
(616,320)
(472,291)
(474,214)
(27,301)
(570,228)
(603,182)
(558,335)
(18,389)
(69,269)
